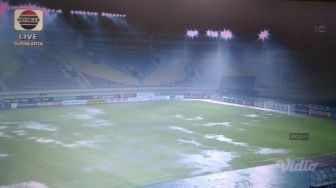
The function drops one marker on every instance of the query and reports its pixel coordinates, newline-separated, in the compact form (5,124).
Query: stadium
(156,94)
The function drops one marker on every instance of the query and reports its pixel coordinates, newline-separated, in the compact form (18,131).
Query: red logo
(28,19)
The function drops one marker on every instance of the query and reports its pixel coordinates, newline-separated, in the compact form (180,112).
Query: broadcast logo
(28,20)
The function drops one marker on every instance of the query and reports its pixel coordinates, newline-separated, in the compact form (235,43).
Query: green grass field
(134,144)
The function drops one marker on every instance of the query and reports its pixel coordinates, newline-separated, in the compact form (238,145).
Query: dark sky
(289,21)
(166,16)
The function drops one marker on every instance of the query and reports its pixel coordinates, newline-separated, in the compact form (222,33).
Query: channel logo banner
(28,20)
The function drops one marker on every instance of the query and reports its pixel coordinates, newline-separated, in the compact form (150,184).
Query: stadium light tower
(113,15)
(264,35)
(212,34)
(83,13)
(193,33)
(226,34)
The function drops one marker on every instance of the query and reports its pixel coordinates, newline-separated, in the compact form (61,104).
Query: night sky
(291,22)
(174,16)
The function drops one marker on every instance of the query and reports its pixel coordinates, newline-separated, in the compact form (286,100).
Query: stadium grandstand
(114,60)
(88,65)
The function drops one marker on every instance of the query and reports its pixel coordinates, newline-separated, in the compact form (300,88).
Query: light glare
(264,35)
(192,33)
(226,34)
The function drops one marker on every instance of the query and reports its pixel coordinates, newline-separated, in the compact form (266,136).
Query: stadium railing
(282,106)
